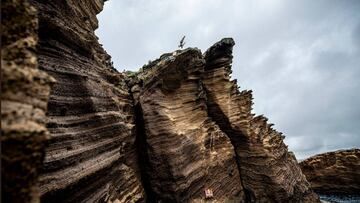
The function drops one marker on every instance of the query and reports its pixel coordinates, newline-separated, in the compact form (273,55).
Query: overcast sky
(300,58)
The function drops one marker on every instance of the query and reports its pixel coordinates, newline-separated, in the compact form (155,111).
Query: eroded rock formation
(335,172)
(24,95)
(198,127)
(187,151)
(269,172)
(90,115)
(165,134)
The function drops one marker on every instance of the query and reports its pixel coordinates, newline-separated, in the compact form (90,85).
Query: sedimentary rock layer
(186,151)
(268,171)
(91,154)
(335,172)
(24,94)
(180,124)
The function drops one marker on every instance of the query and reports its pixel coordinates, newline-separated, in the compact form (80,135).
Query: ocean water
(340,198)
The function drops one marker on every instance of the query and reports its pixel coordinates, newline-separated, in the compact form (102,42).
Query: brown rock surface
(335,172)
(91,155)
(268,171)
(186,151)
(180,95)
(180,124)
(24,94)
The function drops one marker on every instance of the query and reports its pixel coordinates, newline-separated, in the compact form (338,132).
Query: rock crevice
(143,156)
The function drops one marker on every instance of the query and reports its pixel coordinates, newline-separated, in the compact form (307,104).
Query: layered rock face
(187,152)
(269,172)
(24,95)
(172,131)
(91,154)
(335,172)
(197,123)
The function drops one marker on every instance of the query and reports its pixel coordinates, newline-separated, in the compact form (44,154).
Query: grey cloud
(300,58)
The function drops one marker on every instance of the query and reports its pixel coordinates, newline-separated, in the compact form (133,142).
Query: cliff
(90,115)
(169,132)
(335,172)
(186,152)
(269,172)
(24,95)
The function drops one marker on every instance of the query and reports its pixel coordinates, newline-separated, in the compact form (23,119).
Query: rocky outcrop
(173,130)
(198,127)
(335,172)
(24,95)
(186,151)
(91,154)
(268,171)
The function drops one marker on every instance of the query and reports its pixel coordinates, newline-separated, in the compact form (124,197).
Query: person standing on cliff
(182,42)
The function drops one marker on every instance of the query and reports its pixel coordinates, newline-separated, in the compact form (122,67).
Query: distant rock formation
(335,172)
(167,133)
